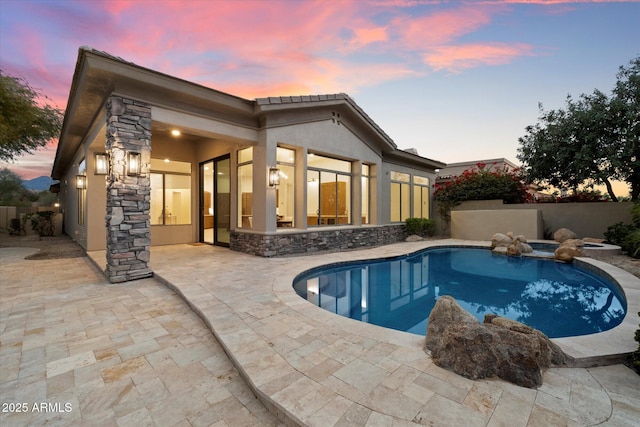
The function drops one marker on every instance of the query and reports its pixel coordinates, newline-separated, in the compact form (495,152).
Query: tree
(592,141)
(12,191)
(24,125)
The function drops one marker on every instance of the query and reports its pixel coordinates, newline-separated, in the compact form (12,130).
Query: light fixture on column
(274,177)
(102,163)
(133,163)
(81,182)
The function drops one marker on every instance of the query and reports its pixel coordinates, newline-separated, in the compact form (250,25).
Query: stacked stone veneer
(307,242)
(128,197)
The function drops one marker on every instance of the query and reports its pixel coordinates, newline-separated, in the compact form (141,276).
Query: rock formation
(515,245)
(563,234)
(569,249)
(498,347)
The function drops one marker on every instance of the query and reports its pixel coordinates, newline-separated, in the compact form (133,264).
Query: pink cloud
(457,58)
(441,27)
(258,48)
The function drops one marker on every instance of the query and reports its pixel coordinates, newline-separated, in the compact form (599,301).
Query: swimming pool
(561,300)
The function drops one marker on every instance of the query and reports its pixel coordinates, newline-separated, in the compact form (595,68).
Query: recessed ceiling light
(175,132)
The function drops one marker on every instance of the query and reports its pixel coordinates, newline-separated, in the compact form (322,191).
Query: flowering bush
(480,184)
(583,196)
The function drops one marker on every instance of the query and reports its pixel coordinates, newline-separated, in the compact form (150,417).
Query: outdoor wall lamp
(102,163)
(133,163)
(274,177)
(81,182)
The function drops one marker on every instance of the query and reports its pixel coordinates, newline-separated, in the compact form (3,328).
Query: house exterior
(452,170)
(145,158)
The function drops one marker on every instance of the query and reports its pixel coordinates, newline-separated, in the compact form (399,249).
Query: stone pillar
(128,197)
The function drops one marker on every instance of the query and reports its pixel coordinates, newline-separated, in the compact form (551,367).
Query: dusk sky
(457,80)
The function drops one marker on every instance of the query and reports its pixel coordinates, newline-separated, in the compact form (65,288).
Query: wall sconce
(274,177)
(133,163)
(102,163)
(81,182)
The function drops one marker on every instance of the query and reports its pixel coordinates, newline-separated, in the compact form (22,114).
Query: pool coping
(599,349)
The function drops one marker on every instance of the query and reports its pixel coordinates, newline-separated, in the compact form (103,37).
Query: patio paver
(76,350)
(305,364)
(315,368)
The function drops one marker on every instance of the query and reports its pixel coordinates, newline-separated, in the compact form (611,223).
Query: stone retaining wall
(310,241)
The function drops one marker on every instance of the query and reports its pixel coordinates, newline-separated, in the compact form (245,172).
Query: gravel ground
(52,247)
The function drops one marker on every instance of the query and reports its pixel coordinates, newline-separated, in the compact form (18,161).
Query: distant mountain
(38,184)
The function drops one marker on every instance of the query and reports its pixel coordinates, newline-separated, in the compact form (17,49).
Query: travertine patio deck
(312,367)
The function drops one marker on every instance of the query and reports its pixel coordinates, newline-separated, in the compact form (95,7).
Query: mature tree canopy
(12,190)
(24,125)
(592,141)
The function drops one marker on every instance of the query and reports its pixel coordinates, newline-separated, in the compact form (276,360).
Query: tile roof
(279,100)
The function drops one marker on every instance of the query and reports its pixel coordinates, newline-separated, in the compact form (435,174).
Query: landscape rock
(592,240)
(515,245)
(501,250)
(413,238)
(500,240)
(563,234)
(575,243)
(497,348)
(567,252)
(514,249)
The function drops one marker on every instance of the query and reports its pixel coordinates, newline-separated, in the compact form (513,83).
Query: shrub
(634,358)
(480,184)
(635,214)
(631,244)
(14,226)
(42,223)
(617,233)
(627,236)
(581,196)
(420,226)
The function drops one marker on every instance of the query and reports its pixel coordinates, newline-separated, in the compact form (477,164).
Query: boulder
(574,243)
(526,248)
(500,240)
(566,253)
(501,250)
(520,238)
(497,348)
(413,238)
(563,234)
(515,248)
(446,312)
(592,240)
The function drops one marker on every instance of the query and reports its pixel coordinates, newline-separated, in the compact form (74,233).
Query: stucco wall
(585,219)
(482,224)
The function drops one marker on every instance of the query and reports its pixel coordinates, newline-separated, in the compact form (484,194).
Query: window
(328,191)
(400,196)
(420,197)
(365,189)
(245,188)
(170,192)
(285,193)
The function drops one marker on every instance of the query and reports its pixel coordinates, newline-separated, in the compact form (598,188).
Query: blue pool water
(558,299)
